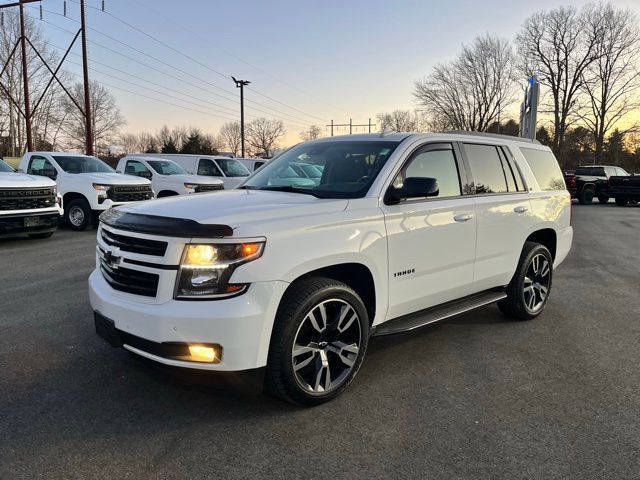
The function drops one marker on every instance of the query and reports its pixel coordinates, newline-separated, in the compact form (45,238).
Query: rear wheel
(528,291)
(78,214)
(621,201)
(603,199)
(585,197)
(318,342)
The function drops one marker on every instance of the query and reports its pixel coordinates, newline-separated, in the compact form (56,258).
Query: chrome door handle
(463,217)
(520,209)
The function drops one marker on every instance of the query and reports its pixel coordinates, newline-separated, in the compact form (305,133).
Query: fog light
(202,353)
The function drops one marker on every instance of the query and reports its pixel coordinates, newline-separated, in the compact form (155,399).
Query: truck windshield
(5,168)
(166,167)
(232,168)
(82,164)
(348,168)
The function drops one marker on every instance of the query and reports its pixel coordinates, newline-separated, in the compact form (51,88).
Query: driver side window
(136,168)
(40,166)
(208,168)
(433,163)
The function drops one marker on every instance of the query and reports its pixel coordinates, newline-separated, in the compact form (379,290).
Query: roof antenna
(40,9)
(64,8)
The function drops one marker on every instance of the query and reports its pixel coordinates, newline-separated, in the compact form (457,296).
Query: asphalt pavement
(473,397)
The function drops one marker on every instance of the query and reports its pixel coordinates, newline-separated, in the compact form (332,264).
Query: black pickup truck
(592,181)
(625,189)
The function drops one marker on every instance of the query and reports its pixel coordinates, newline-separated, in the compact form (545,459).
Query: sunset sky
(308,61)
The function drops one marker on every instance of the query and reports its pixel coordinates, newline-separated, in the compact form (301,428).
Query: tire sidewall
(291,328)
(522,272)
(84,206)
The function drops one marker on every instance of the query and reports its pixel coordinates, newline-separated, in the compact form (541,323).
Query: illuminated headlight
(101,188)
(205,269)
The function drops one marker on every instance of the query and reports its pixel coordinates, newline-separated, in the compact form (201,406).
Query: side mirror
(145,174)
(413,187)
(50,172)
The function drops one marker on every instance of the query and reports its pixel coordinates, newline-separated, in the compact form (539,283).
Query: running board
(440,312)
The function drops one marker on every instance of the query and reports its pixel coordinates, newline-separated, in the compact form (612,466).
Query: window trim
(470,174)
(433,145)
(41,157)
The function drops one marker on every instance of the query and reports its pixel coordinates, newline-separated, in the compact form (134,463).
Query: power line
(287,121)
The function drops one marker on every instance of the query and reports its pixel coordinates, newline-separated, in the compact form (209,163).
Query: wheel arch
(71,196)
(547,237)
(167,193)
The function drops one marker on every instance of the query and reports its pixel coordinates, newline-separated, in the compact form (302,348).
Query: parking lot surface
(473,397)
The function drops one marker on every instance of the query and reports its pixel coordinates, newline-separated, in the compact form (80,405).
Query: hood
(238,207)
(197,179)
(233,182)
(11,180)
(116,179)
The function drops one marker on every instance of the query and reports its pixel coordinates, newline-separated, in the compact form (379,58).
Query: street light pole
(25,79)
(241,84)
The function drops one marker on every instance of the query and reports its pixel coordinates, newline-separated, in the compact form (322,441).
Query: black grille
(134,244)
(130,281)
(208,188)
(26,198)
(130,193)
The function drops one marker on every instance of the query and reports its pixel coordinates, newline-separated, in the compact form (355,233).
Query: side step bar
(440,312)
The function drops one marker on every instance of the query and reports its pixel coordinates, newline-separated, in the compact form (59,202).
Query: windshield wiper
(291,189)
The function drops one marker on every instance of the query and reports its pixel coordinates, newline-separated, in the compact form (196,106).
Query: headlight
(205,269)
(102,188)
(190,186)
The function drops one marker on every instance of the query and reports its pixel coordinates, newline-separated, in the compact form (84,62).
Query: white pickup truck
(28,204)
(399,231)
(167,177)
(87,184)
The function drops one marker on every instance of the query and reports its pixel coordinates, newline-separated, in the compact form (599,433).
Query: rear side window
(486,168)
(545,168)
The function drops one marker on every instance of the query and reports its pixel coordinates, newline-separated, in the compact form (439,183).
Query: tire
(329,356)
(40,236)
(585,197)
(603,199)
(622,201)
(529,289)
(78,214)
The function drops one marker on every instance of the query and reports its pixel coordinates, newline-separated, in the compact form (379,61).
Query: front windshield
(82,164)
(166,167)
(346,169)
(232,168)
(5,168)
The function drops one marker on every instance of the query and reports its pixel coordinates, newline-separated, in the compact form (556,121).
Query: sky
(310,62)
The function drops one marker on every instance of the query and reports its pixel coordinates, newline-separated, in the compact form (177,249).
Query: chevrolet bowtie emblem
(110,259)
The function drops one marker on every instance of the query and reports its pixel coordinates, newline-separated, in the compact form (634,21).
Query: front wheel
(585,197)
(528,291)
(318,342)
(79,215)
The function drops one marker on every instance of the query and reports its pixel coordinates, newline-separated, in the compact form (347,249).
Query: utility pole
(241,84)
(25,79)
(85,72)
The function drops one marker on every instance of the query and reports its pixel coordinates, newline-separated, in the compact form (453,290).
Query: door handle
(463,217)
(520,209)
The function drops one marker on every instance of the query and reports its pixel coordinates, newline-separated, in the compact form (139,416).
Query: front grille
(130,193)
(130,281)
(26,198)
(208,188)
(134,244)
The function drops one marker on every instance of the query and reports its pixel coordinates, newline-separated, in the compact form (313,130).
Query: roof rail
(492,135)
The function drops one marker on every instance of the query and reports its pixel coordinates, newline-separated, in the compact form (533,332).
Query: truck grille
(130,193)
(134,244)
(129,281)
(26,198)
(208,188)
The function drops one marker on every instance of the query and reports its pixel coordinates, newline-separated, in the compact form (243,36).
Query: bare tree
(231,137)
(129,143)
(263,135)
(470,92)
(399,121)
(613,79)
(105,117)
(559,46)
(312,133)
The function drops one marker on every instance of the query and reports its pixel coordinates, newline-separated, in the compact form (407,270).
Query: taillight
(572,181)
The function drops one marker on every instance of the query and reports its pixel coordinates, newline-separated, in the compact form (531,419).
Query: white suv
(400,231)
(87,184)
(167,177)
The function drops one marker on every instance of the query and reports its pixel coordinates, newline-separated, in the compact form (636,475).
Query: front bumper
(37,222)
(241,325)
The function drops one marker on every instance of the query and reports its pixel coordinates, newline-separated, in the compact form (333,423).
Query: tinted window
(166,167)
(209,168)
(545,168)
(4,167)
(82,164)
(438,164)
(257,165)
(135,168)
(590,171)
(348,168)
(486,168)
